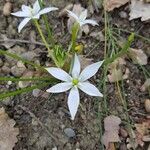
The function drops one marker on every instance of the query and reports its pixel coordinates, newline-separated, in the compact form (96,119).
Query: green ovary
(75,81)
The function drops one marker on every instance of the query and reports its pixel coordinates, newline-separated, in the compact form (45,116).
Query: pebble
(36,92)
(69,132)
(123,132)
(29,55)
(147,105)
(123,14)
(5,69)
(54,148)
(17,71)
(15,50)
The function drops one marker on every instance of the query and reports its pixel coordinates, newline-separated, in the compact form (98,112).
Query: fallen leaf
(138,56)
(110,5)
(77,9)
(139,9)
(111,126)
(8,134)
(117,70)
(85,61)
(146,85)
(142,130)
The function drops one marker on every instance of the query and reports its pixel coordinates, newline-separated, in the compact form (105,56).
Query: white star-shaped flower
(31,13)
(74,82)
(81,19)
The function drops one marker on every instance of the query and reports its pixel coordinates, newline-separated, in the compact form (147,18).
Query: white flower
(81,19)
(31,13)
(74,82)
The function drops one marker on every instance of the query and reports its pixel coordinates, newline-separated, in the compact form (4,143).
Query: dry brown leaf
(139,9)
(77,9)
(7,131)
(85,61)
(110,5)
(138,56)
(146,85)
(111,125)
(116,71)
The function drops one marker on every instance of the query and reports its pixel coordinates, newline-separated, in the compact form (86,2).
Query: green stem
(43,38)
(75,30)
(122,52)
(48,27)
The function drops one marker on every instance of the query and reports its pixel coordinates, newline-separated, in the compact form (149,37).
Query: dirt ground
(44,123)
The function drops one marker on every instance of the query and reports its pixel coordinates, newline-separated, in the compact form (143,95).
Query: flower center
(75,81)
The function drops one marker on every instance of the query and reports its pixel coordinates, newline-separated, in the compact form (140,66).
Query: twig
(22,41)
(39,122)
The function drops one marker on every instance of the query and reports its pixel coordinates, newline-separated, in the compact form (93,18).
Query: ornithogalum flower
(29,13)
(81,19)
(75,81)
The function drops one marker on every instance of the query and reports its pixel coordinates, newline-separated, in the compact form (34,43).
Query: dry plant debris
(118,71)
(139,9)
(8,132)
(138,56)
(111,126)
(110,5)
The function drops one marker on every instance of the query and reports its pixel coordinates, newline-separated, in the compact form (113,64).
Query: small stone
(7,8)
(29,55)
(36,92)
(9,82)
(123,14)
(54,148)
(5,70)
(147,105)
(17,71)
(123,132)
(69,132)
(17,50)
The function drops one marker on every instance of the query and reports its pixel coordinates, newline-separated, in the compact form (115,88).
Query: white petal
(20,14)
(76,67)
(90,21)
(89,89)
(47,10)
(23,23)
(36,16)
(36,7)
(59,74)
(83,15)
(71,14)
(90,71)
(60,87)
(73,101)
(26,10)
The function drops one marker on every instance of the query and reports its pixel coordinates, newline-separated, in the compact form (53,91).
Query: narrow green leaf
(123,51)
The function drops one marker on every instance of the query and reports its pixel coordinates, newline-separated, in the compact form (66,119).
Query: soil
(42,122)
